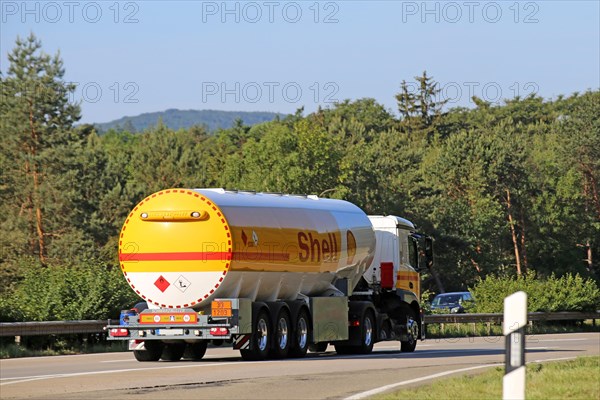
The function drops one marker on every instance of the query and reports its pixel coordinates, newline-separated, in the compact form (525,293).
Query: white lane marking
(541,348)
(559,340)
(63,356)
(23,377)
(113,371)
(382,389)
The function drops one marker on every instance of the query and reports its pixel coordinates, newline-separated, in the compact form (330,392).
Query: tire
(173,351)
(195,351)
(153,351)
(367,333)
(301,335)
(318,347)
(260,340)
(413,332)
(282,335)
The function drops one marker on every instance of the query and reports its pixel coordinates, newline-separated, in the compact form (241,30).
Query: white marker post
(515,320)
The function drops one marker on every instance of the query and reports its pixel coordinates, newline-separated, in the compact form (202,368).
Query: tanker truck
(272,275)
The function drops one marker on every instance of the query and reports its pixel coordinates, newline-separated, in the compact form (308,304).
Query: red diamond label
(162,284)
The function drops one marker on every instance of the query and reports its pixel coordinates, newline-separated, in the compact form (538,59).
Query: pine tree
(37,116)
(420,107)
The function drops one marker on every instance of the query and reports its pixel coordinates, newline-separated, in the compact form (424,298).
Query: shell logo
(350,246)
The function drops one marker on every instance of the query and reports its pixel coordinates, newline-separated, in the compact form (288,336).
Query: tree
(301,158)
(581,133)
(37,117)
(420,107)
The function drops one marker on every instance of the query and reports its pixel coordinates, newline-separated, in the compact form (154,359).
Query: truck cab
(392,282)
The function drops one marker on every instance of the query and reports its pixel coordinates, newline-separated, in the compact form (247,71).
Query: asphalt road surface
(223,375)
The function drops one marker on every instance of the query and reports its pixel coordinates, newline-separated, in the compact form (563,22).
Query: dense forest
(505,189)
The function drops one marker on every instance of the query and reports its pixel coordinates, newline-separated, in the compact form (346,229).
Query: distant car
(452,302)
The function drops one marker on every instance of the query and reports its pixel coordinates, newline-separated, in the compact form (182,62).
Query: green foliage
(566,293)
(87,290)
(504,189)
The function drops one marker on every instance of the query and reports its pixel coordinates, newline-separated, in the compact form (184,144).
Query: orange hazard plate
(221,308)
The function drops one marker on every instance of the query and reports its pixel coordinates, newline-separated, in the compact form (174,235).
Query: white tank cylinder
(182,247)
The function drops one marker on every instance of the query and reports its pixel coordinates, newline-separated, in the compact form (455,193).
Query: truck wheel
(413,332)
(283,335)
(300,335)
(318,347)
(260,340)
(173,351)
(153,351)
(195,351)
(367,333)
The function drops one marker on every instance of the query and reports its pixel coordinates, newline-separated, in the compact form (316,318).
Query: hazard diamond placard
(162,284)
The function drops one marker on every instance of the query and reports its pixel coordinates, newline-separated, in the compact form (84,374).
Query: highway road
(222,374)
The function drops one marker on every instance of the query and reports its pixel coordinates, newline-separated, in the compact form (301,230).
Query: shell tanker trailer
(274,275)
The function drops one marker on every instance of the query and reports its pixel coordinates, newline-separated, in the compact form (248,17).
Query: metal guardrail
(97,326)
(532,316)
(53,327)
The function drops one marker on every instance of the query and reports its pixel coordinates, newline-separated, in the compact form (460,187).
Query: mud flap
(136,345)
(241,342)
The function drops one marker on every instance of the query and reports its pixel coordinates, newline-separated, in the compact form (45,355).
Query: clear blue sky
(141,56)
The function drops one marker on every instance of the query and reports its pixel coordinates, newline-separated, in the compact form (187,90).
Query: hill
(176,119)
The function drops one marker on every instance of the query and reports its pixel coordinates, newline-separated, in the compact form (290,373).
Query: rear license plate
(168,332)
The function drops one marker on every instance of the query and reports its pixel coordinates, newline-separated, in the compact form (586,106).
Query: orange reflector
(167,318)
(219,331)
(119,332)
(179,215)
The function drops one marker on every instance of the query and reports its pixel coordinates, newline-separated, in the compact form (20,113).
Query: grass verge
(573,379)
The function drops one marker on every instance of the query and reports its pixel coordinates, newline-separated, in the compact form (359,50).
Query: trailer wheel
(173,351)
(153,351)
(283,335)
(300,334)
(260,340)
(367,333)
(195,351)
(410,345)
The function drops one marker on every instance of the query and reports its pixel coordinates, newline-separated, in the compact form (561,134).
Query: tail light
(219,331)
(119,332)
